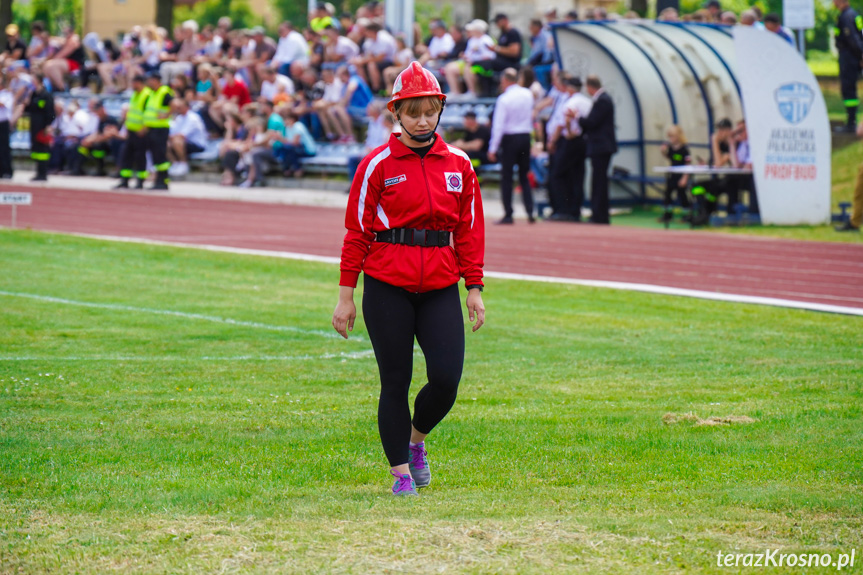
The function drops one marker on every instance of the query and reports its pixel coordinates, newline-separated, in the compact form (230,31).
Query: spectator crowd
(267,103)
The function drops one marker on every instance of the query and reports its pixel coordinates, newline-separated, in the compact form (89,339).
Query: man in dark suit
(598,126)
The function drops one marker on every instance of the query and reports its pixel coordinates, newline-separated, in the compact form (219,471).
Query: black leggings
(393,317)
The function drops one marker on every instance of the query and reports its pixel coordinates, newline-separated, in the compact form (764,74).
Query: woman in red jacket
(414,227)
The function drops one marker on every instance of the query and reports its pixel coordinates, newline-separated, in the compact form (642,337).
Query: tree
(5,18)
(480,9)
(165,14)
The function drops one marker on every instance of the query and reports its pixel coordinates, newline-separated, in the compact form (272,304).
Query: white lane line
(216,319)
(345,356)
(646,288)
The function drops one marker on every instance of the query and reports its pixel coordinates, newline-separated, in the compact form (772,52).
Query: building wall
(108,18)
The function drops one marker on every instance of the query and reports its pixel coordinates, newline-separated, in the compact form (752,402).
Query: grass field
(180,411)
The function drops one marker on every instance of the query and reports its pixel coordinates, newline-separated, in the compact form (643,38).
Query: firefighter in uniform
(134,157)
(157,120)
(42,114)
(849,43)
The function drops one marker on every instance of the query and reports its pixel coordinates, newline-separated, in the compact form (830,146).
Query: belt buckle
(418,239)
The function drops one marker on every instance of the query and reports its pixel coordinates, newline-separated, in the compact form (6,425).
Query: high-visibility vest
(156,106)
(135,113)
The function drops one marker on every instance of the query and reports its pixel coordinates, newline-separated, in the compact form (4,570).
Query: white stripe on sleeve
(382,155)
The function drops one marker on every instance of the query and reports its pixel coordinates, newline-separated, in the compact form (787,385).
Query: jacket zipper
(428,191)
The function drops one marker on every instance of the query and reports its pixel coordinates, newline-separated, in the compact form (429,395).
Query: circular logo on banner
(454,181)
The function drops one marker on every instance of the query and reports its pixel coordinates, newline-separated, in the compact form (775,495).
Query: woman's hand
(345,312)
(475,308)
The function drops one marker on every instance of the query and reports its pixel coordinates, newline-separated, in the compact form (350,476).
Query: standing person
(568,145)
(157,120)
(133,158)
(856,219)
(601,145)
(414,227)
(511,126)
(849,43)
(7,109)
(42,114)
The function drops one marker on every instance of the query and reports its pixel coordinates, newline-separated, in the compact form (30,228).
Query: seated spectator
(378,52)
(150,49)
(68,60)
(267,148)
(334,118)
(235,94)
(669,14)
(207,86)
(297,143)
(39,47)
(310,90)
(357,94)
(177,60)
(380,126)
(292,47)
(507,54)
(439,47)
(187,136)
(479,48)
(236,144)
(338,50)
(677,152)
(15,49)
(475,140)
(404,56)
(106,64)
(20,83)
(264,50)
(70,127)
(321,17)
(103,141)
(274,84)
(316,50)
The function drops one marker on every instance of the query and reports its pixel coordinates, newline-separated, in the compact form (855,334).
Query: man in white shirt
(339,50)
(274,84)
(292,47)
(569,149)
(378,52)
(187,135)
(440,46)
(510,138)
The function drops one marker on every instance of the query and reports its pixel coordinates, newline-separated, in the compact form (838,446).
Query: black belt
(414,237)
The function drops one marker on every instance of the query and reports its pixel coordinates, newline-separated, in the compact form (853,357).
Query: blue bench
(332,158)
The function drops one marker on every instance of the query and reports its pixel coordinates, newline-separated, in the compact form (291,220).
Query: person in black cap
(157,121)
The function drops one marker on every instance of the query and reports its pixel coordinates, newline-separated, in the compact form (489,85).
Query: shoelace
(418,454)
(404,483)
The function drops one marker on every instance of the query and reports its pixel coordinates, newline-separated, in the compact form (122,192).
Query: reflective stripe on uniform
(40,156)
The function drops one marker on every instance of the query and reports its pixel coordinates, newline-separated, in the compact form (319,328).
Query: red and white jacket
(395,188)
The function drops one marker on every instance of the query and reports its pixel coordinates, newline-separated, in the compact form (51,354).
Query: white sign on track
(16,198)
(789,133)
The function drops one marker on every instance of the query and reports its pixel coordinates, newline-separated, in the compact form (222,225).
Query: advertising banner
(789,133)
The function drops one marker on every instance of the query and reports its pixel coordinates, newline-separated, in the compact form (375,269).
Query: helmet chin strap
(425,137)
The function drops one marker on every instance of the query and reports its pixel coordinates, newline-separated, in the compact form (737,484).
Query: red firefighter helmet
(414,82)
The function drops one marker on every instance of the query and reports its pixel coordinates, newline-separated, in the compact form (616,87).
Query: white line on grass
(225,320)
(646,288)
(344,356)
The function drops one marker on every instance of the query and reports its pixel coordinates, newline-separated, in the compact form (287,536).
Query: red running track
(819,272)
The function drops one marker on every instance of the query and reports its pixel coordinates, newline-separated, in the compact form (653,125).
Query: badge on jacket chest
(453,181)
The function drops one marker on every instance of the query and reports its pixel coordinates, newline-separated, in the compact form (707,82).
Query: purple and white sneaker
(404,485)
(419,465)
